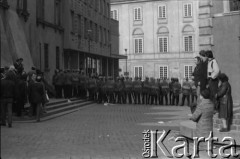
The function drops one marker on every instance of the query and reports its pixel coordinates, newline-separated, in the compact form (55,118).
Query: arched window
(138,40)
(188,38)
(163,35)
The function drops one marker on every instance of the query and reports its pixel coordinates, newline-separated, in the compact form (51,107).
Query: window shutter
(185,10)
(136,45)
(160,12)
(140,46)
(165,45)
(190,43)
(139,13)
(186,43)
(189,10)
(115,15)
(135,13)
(111,14)
(163,11)
(161,44)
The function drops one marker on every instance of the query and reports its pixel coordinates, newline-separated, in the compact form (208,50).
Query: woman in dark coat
(224,96)
(37,96)
(200,73)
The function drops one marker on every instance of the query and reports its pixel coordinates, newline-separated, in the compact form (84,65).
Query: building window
(46,56)
(188,43)
(137,14)
(58,12)
(22,9)
(162,12)
(96,33)
(114,14)
(163,44)
(40,9)
(163,72)
(138,45)
(79,25)
(85,28)
(57,57)
(188,70)
(234,5)
(188,10)
(72,21)
(138,71)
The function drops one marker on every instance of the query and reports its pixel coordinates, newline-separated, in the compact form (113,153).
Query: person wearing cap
(145,91)
(186,90)
(176,91)
(203,116)
(19,66)
(165,91)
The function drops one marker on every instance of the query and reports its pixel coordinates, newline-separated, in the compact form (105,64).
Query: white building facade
(160,37)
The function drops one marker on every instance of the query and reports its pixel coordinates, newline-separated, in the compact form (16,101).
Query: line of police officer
(122,90)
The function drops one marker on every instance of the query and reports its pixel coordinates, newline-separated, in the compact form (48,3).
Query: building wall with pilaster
(226,43)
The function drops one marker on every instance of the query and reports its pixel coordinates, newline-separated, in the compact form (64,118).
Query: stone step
(55,115)
(56,108)
(67,107)
(188,129)
(63,104)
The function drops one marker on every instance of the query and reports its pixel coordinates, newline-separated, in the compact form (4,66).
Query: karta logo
(153,142)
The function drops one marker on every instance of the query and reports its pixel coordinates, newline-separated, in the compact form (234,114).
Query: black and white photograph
(120,79)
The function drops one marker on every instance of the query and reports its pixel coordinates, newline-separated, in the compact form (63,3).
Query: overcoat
(225,101)
(203,116)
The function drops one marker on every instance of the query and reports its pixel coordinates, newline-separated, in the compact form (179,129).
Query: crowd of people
(122,90)
(214,95)
(18,88)
(207,82)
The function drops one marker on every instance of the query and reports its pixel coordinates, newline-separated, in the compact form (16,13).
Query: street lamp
(126,62)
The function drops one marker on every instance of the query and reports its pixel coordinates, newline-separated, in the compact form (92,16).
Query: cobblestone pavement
(93,132)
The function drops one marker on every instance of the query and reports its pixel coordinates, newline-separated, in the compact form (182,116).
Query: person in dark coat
(36,96)
(21,94)
(165,91)
(203,68)
(224,96)
(200,72)
(7,97)
(186,90)
(176,87)
(128,90)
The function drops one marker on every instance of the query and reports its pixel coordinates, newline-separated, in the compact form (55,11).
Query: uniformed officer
(110,88)
(154,91)
(92,87)
(137,88)
(171,90)
(67,84)
(186,89)
(165,91)
(145,91)
(176,87)
(128,90)
(120,87)
(193,90)
(75,82)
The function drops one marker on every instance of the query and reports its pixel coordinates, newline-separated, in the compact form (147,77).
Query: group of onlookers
(18,88)
(214,95)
